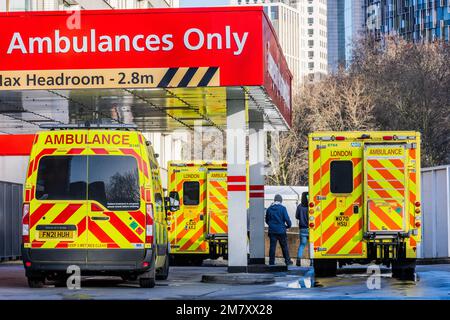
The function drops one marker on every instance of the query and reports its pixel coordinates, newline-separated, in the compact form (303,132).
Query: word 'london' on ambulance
(193,39)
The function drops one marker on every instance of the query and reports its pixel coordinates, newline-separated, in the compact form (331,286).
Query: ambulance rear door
(217,208)
(385,181)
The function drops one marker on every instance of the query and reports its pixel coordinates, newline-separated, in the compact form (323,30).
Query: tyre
(147,282)
(36,282)
(404,269)
(325,267)
(164,273)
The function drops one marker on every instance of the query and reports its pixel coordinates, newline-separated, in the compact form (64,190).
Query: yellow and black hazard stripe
(190,77)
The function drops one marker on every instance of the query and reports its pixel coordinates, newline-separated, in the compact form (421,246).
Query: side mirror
(173,201)
(156,155)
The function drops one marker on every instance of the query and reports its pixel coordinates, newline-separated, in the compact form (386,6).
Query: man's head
(278,198)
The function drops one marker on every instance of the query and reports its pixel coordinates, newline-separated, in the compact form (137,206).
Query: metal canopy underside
(156,109)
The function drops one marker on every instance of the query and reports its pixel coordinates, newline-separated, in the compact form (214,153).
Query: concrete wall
(13,169)
(435,212)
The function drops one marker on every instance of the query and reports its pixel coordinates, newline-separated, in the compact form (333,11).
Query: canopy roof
(162,69)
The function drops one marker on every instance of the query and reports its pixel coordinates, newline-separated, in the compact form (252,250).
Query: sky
(203,3)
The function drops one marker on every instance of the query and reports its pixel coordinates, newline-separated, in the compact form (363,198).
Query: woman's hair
(304,201)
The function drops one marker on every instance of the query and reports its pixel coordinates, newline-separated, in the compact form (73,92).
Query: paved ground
(184,283)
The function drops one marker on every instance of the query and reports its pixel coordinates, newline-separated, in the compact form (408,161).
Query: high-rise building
(346,22)
(301,26)
(415,20)
(35,5)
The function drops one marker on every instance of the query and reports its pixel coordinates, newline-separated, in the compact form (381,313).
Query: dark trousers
(282,238)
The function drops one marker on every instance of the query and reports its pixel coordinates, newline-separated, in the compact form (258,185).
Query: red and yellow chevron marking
(414,197)
(59,213)
(327,234)
(218,206)
(122,229)
(386,194)
(187,230)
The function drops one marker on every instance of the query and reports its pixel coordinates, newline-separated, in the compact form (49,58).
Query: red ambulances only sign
(148,48)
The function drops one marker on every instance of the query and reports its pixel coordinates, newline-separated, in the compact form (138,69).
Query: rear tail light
(417,204)
(417,224)
(311,225)
(149,223)
(340,138)
(311,204)
(28,264)
(26,223)
(388,138)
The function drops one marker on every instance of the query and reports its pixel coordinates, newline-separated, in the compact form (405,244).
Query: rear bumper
(91,261)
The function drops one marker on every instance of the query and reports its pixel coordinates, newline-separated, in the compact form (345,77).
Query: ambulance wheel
(147,282)
(325,267)
(164,273)
(404,269)
(36,282)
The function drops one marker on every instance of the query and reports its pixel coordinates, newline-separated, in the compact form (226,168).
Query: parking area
(184,283)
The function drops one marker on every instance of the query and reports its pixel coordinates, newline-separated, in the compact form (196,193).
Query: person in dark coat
(303,224)
(278,221)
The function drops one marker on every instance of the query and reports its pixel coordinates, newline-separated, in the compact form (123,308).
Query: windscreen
(62,178)
(113,181)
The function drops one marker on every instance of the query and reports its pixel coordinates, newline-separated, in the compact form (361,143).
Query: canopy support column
(237,186)
(256,175)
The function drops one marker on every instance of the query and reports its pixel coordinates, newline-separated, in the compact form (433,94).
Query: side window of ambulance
(341,176)
(158,199)
(191,193)
(61,178)
(114,182)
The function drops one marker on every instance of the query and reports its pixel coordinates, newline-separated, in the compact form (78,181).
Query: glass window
(341,176)
(61,178)
(114,182)
(191,193)
(158,199)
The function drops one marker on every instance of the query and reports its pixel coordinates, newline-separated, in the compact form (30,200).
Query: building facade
(301,26)
(346,22)
(414,20)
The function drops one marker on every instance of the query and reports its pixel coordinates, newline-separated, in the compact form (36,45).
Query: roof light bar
(87,125)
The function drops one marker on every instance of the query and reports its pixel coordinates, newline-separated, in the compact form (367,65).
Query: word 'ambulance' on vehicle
(364,190)
(93,198)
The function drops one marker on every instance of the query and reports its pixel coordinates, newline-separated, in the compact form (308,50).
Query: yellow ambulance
(93,199)
(198,222)
(364,200)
